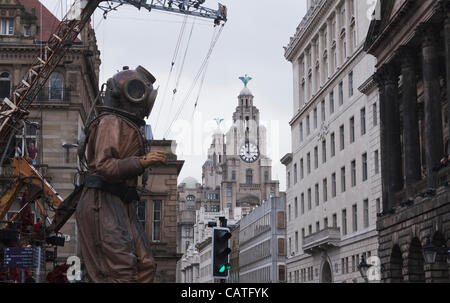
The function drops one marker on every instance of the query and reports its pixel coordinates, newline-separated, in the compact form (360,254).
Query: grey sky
(251,43)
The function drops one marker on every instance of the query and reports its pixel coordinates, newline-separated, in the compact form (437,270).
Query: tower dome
(190,183)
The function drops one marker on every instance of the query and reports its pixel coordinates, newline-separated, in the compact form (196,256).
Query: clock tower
(243,172)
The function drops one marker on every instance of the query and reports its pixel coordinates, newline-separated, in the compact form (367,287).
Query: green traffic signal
(224,268)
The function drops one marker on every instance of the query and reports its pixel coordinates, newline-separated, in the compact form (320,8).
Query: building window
(352,130)
(233,175)
(324,151)
(229,192)
(342,136)
(5,85)
(308,129)
(7,27)
(302,171)
(140,212)
(249,176)
(343,179)
(289,212)
(296,241)
(317,194)
(316,157)
(323,110)
(333,145)
(325,223)
(350,83)
(56,84)
(27,31)
(188,232)
(325,190)
(363,121)
(308,163)
(296,207)
(341,93)
(366,213)
(375,114)
(315,118)
(295,173)
(301,132)
(334,220)
(27,135)
(310,229)
(355,217)
(317,226)
(377,163)
(309,198)
(190,198)
(302,203)
(288,179)
(156,220)
(344,222)
(353,173)
(364,167)
(266,176)
(333,185)
(331,103)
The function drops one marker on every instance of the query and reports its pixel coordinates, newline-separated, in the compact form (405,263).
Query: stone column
(329,42)
(313,66)
(446,11)
(321,78)
(391,158)
(411,140)
(432,100)
(338,38)
(348,20)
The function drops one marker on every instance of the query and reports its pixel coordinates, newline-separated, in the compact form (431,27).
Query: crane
(14,110)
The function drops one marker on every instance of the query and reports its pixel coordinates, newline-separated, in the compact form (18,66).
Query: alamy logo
(374,271)
(374,10)
(74,271)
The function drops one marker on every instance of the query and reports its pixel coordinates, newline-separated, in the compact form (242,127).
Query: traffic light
(220,252)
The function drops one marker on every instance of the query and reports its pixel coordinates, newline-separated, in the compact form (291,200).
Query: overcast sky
(251,43)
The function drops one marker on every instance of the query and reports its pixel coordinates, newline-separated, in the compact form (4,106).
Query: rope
(199,73)
(174,57)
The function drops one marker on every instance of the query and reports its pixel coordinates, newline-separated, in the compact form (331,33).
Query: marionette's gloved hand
(153,158)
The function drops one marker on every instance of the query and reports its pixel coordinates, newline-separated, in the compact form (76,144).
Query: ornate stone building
(411,40)
(62,106)
(333,175)
(238,168)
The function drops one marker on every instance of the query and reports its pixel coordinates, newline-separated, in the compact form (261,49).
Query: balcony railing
(250,186)
(54,95)
(326,238)
(187,216)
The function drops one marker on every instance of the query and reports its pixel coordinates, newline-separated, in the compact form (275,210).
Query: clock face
(249,152)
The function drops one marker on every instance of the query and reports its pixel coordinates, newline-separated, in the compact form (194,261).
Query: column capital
(444,8)
(429,34)
(407,56)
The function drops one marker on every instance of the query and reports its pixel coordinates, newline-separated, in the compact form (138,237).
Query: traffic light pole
(223,223)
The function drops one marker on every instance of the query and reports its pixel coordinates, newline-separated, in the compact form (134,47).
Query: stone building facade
(61,107)
(191,197)
(333,173)
(411,41)
(157,211)
(262,243)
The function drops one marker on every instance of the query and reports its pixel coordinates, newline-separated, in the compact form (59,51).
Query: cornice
(307,27)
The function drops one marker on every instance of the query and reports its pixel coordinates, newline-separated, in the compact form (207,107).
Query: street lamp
(429,252)
(363,268)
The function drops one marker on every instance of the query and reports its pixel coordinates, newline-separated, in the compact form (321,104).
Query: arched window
(249,176)
(5,85)
(56,87)
(190,198)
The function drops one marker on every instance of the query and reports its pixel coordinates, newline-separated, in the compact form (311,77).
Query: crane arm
(185,7)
